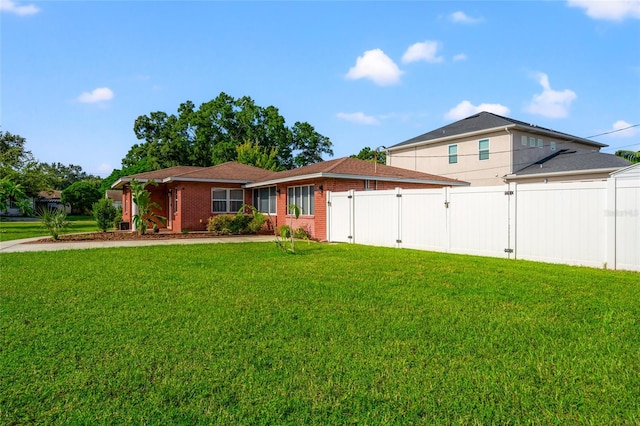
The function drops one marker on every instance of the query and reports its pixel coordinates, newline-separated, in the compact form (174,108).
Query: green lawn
(336,334)
(15,230)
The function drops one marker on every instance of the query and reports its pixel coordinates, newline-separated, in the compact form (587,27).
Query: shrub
(105,213)
(301,233)
(54,221)
(229,224)
(220,224)
(285,231)
(257,222)
(118,218)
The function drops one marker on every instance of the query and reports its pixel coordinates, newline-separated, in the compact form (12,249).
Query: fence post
(610,216)
(446,192)
(398,218)
(329,213)
(513,220)
(352,216)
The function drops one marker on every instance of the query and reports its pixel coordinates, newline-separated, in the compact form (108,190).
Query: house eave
(450,138)
(607,170)
(123,181)
(205,180)
(551,133)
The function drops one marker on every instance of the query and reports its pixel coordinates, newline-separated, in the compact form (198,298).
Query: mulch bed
(122,236)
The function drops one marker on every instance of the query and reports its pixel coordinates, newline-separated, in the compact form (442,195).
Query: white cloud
(425,51)
(551,103)
(460,17)
(105,168)
(610,10)
(460,57)
(12,7)
(465,109)
(96,95)
(623,129)
(357,117)
(376,66)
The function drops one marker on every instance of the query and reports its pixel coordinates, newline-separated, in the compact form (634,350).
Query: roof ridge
(336,163)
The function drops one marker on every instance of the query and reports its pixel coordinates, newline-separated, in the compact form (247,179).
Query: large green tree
(19,165)
(211,134)
(255,155)
(141,166)
(13,154)
(82,195)
(369,154)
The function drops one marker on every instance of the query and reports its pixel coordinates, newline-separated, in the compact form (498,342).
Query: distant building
(488,149)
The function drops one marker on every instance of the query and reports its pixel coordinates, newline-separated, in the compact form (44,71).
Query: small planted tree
(142,199)
(285,232)
(105,213)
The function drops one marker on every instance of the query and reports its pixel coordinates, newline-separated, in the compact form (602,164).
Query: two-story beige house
(488,149)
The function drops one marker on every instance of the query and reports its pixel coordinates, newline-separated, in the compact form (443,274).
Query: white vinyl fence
(587,223)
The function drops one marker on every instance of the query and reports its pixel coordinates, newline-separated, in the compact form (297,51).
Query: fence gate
(340,217)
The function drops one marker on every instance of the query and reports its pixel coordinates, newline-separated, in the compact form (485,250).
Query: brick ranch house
(189,196)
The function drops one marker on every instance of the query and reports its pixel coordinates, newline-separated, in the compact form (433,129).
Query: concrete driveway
(20,246)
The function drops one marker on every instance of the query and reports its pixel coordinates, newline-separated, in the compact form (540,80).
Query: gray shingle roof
(484,121)
(573,160)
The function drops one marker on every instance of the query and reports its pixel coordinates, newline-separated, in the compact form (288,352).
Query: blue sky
(76,74)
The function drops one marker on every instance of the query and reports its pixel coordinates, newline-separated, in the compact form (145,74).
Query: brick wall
(195,204)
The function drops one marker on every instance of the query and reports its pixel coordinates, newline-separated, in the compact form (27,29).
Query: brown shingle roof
(345,167)
(227,171)
(158,175)
(353,167)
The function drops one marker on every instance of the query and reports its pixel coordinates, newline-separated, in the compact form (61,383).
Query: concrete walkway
(20,246)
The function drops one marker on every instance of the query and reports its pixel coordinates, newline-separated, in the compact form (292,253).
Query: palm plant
(631,156)
(142,199)
(11,191)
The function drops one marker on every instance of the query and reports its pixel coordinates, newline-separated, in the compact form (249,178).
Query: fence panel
(423,219)
(562,223)
(584,223)
(479,220)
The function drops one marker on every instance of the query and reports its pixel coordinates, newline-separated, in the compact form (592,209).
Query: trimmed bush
(257,222)
(229,224)
(220,224)
(118,218)
(105,213)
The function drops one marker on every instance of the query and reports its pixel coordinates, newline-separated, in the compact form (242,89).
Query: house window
(301,196)
(523,140)
(453,154)
(532,142)
(540,143)
(369,185)
(483,149)
(264,199)
(175,201)
(552,145)
(226,200)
